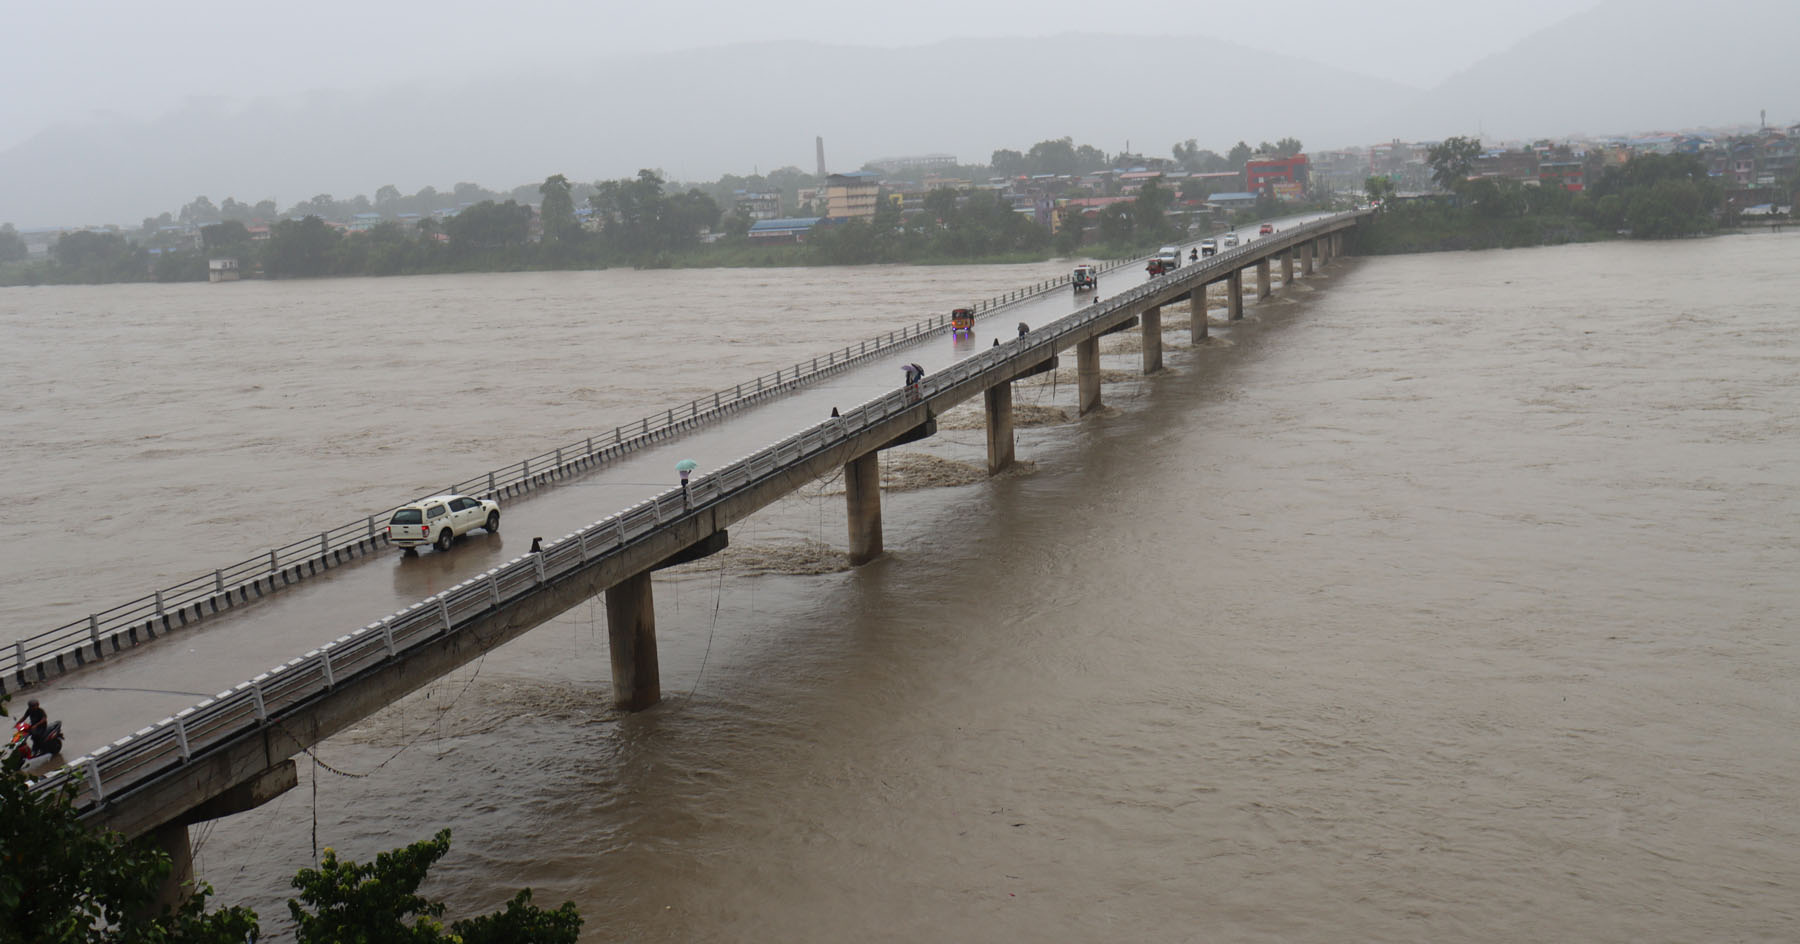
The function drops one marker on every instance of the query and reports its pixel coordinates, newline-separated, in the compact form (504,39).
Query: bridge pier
(1153,359)
(1287,268)
(999,426)
(1197,314)
(862,494)
(1087,375)
(1235,285)
(631,635)
(1306,258)
(1262,279)
(171,839)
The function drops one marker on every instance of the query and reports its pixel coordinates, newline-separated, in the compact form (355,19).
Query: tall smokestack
(820,143)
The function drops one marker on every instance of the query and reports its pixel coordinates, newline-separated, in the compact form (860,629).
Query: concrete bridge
(233,751)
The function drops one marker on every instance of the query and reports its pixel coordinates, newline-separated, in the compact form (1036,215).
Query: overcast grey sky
(77,58)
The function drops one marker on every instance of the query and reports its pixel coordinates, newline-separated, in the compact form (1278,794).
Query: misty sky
(81,59)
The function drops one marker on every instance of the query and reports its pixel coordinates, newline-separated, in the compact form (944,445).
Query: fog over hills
(696,115)
(1625,66)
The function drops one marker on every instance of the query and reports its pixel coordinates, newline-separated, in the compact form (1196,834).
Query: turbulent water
(1447,597)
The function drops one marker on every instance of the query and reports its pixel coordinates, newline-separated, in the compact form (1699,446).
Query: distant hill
(696,115)
(1625,66)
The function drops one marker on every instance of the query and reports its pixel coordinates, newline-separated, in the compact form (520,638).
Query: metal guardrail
(175,741)
(121,627)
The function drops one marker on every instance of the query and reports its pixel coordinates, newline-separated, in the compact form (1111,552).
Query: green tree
(299,248)
(1053,157)
(199,212)
(230,236)
(488,225)
(1379,188)
(379,903)
(1452,160)
(1149,222)
(12,245)
(1239,155)
(558,209)
(1117,224)
(67,882)
(90,257)
(1287,147)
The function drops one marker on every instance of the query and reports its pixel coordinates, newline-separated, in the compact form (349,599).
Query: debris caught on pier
(974,416)
(799,558)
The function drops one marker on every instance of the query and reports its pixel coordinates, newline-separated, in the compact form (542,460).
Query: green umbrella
(686,465)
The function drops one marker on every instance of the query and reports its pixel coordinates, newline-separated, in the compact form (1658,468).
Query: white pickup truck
(441,519)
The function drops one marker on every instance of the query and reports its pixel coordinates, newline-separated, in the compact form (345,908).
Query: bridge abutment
(631,635)
(1153,359)
(1087,375)
(999,399)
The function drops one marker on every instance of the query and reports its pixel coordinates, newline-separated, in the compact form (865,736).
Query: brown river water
(1446,598)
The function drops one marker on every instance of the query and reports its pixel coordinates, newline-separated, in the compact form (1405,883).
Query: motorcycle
(31,748)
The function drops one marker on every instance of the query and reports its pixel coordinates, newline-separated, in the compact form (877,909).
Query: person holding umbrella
(684,468)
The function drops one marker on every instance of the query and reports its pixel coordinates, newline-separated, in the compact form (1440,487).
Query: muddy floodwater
(1451,597)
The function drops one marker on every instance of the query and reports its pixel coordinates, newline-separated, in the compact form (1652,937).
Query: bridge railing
(271,696)
(127,624)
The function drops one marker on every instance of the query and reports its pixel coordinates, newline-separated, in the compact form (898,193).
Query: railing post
(262,710)
(274,563)
(559,457)
(181,739)
(387,635)
(324,543)
(444,612)
(325,664)
(218,582)
(20,647)
(526,465)
(494,587)
(491,488)
(715,401)
(538,559)
(159,605)
(371,527)
(590,445)
(93,779)
(93,632)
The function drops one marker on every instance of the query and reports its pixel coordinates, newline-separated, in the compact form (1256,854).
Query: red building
(1287,176)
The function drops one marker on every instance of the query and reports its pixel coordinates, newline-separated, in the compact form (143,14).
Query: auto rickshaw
(962,321)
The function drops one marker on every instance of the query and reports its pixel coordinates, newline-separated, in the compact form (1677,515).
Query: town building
(757,204)
(852,196)
(783,231)
(1286,177)
(896,165)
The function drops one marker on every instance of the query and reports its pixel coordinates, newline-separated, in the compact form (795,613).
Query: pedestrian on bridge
(684,468)
(1024,329)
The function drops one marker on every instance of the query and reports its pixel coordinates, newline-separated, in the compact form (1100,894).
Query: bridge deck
(108,700)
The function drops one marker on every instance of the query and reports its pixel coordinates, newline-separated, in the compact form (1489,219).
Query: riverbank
(1446,229)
